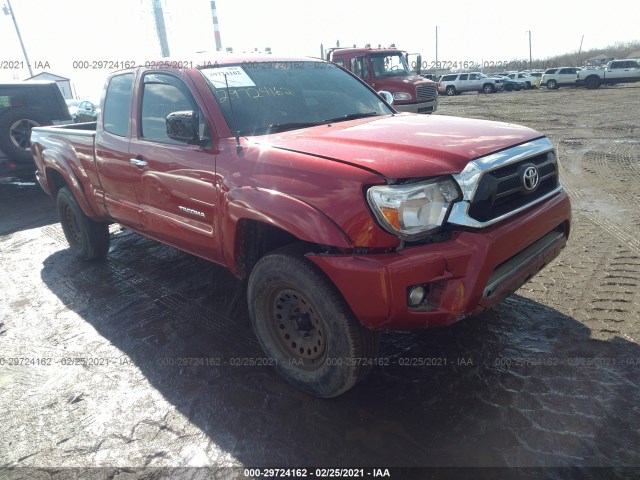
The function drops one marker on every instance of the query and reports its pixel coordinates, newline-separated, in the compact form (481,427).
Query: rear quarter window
(117,104)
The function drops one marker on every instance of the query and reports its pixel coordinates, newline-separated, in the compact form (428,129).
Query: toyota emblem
(530,178)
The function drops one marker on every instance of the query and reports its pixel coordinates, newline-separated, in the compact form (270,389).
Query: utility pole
(158,15)
(9,11)
(530,59)
(580,51)
(436,49)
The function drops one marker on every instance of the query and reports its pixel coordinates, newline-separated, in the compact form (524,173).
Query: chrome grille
(502,190)
(426,92)
(493,186)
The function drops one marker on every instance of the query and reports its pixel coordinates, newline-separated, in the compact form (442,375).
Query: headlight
(401,96)
(413,211)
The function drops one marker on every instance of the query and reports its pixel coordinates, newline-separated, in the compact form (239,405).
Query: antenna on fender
(233,116)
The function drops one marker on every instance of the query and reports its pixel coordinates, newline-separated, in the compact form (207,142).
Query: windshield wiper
(282,127)
(351,116)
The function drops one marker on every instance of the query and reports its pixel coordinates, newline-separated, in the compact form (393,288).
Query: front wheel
(508,87)
(450,90)
(552,85)
(304,325)
(88,239)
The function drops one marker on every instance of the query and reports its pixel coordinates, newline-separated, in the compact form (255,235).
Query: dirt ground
(95,369)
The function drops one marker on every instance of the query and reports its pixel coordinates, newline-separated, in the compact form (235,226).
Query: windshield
(268,97)
(389,65)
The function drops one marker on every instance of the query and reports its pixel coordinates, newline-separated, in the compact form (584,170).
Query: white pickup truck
(616,71)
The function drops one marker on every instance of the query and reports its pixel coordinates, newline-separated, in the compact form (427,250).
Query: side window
(339,62)
(116,105)
(473,76)
(163,94)
(359,67)
(464,76)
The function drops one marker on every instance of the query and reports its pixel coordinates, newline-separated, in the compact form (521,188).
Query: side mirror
(386,96)
(183,127)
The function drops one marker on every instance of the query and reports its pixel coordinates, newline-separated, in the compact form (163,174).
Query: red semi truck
(388,69)
(344,216)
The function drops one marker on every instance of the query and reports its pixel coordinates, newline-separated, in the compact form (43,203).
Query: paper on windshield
(235,77)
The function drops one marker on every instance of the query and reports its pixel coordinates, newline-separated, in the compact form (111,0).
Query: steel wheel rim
(297,327)
(72,227)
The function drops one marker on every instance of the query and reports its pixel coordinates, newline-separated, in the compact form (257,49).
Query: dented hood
(403,145)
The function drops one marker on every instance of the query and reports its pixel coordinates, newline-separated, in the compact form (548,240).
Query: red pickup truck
(344,216)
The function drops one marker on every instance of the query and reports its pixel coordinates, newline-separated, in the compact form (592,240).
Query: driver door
(175,181)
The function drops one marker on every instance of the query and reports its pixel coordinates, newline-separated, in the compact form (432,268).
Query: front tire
(88,239)
(304,325)
(508,88)
(450,90)
(552,85)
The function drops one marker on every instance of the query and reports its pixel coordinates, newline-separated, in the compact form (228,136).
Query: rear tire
(592,83)
(488,88)
(305,326)
(88,239)
(508,88)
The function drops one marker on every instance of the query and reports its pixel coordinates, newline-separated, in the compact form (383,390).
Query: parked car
(24,105)
(456,83)
(87,111)
(616,71)
(526,78)
(555,78)
(508,84)
(72,105)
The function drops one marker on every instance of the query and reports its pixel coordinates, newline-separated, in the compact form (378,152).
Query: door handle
(138,163)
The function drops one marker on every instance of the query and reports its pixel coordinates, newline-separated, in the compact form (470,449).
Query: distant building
(64,84)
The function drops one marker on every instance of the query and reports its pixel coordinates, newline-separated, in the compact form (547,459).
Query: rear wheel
(592,82)
(304,325)
(508,87)
(450,90)
(488,88)
(88,239)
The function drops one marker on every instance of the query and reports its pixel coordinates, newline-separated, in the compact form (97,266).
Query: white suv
(555,78)
(456,83)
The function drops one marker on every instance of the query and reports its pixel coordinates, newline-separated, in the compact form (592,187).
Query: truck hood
(400,84)
(403,145)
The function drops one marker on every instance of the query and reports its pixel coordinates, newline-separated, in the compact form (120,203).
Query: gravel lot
(92,371)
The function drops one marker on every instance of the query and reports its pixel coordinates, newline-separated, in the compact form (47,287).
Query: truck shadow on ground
(522,385)
(24,205)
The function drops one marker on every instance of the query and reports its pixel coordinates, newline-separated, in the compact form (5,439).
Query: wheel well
(254,240)
(55,181)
